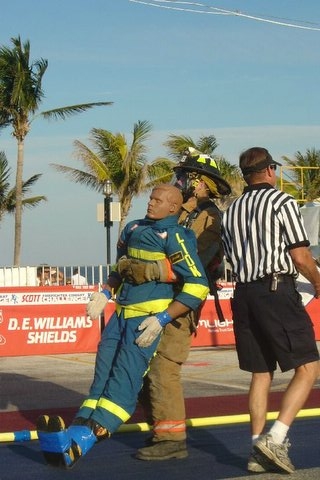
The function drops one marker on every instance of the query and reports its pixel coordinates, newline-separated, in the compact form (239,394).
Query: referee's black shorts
(272,327)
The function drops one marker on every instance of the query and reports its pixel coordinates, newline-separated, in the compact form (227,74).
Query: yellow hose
(27,435)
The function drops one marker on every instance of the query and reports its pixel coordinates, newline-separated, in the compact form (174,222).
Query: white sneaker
(258,463)
(277,453)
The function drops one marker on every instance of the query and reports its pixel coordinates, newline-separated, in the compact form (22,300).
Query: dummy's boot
(63,447)
(163,450)
(56,445)
(98,430)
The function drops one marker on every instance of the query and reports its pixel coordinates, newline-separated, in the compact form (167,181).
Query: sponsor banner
(312,304)
(46,320)
(211,331)
(53,320)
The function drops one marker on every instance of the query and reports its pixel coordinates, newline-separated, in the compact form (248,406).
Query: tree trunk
(18,209)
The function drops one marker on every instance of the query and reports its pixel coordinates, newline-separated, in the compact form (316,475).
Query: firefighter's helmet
(196,162)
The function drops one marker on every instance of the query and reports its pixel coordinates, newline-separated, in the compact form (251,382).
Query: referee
(266,244)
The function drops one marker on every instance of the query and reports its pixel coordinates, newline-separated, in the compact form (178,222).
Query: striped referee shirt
(259,229)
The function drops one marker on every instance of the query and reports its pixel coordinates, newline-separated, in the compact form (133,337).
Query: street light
(107,191)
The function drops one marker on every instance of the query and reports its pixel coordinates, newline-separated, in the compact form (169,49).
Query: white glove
(151,329)
(97,303)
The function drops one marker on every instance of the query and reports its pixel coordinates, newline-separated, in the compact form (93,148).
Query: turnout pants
(119,371)
(162,396)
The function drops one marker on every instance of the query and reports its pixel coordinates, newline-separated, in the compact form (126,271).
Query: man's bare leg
(258,400)
(298,391)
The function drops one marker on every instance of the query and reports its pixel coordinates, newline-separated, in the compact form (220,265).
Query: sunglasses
(273,166)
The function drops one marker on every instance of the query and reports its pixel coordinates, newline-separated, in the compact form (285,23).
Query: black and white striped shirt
(258,230)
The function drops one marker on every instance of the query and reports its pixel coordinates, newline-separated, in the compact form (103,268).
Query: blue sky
(246,81)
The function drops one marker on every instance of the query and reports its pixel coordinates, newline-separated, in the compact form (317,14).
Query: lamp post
(107,191)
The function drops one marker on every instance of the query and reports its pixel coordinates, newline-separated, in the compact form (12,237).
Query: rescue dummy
(132,334)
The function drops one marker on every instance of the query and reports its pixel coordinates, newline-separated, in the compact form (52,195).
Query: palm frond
(305,174)
(30,182)
(92,162)
(79,176)
(63,112)
(177,144)
(32,202)
(207,144)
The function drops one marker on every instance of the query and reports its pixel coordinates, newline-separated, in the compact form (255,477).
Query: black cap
(255,159)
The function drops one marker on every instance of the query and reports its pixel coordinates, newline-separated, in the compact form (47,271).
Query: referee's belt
(281,278)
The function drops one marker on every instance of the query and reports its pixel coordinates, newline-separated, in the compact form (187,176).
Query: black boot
(163,450)
(100,432)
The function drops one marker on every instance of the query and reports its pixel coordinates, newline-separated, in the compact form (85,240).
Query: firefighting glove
(152,327)
(137,272)
(97,303)
(131,270)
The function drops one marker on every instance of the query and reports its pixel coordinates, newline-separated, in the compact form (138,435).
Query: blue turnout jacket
(149,240)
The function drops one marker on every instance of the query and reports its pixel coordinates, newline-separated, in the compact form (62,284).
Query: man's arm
(306,265)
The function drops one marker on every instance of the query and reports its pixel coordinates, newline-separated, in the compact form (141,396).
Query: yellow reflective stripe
(143,308)
(114,409)
(90,403)
(196,290)
(145,255)
(204,159)
(187,257)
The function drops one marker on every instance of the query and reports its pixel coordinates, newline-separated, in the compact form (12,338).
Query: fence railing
(61,275)
(53,275)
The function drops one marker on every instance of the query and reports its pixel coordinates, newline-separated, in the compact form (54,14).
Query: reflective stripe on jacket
(165,239)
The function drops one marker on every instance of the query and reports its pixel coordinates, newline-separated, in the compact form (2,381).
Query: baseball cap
(255,159)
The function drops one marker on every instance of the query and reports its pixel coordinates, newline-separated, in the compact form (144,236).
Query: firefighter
(198,176)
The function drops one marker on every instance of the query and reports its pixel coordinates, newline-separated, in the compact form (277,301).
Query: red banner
(211,331)
(311,304)
(46,320)
(53,320)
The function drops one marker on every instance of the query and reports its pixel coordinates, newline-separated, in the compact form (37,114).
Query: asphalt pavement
(216,403)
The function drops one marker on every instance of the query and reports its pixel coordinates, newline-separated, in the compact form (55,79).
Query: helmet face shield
(185,181)
(180,179)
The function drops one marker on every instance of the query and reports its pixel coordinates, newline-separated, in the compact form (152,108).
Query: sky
(250,79)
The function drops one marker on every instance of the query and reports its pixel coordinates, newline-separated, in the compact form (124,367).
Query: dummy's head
(165,200)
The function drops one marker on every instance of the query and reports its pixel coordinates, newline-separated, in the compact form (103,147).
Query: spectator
(57,277)
(43,276)
(77,278)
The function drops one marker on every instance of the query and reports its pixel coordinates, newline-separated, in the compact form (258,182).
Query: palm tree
(233,175)
(20,98)
(113,158)
(8,194)
(177,144)
(306,174)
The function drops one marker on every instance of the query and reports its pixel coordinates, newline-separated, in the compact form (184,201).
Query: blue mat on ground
(214,453)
